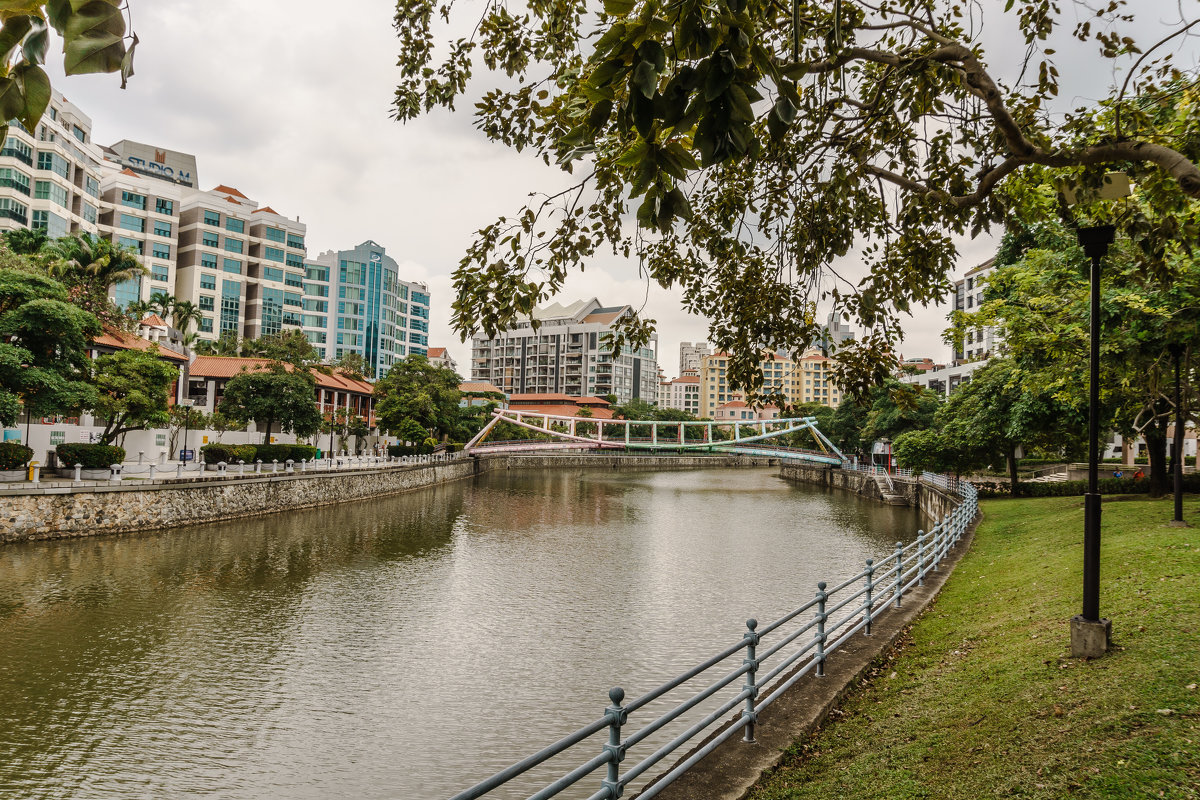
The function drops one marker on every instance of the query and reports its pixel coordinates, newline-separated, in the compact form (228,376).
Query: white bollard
(152,468)
(258,466)
(274,465)
(241,466)
(115,476)
(78,471)
(221,467)
(179,470)
(140,454)
(304,465)
(37,475)
(162,458)
(289,466)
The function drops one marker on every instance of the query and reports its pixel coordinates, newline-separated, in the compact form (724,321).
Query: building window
(206,302)
(53,162)
(14,179)
(316,337)
(132,200)
(316,289)
(46,190)
(235,225)
(160,273)
(54,225)
(206,324)
(295,241)
(232,265)
(158,250)
(133,244)
(164,206)
(162,228)
(11,209)
(89,212)
(292,299)
(320,306)
(313,321)
(273,254)
(233,245)
(212,218)
(274,235)
(91,186)
(272,274)
(79,133)
(208,281)
(210,239)
(272,311)
(231,305)
(293,260)
(208,260)
(294,280)
(316,273)
(131,223)
(15,148)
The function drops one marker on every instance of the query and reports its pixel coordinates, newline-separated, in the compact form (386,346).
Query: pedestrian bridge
(550,432)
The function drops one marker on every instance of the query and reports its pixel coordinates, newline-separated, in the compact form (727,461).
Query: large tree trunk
(1012,472)
(1156,447)
(267,434)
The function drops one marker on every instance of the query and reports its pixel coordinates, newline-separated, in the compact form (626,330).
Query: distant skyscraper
(836,333)
(690,355)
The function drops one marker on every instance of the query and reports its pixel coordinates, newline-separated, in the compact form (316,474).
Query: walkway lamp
(187,423)
(1090,635)
(1176,350)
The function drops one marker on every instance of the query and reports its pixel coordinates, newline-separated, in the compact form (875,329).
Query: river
(404,647)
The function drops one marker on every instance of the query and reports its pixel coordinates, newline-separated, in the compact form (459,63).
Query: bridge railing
(746,677)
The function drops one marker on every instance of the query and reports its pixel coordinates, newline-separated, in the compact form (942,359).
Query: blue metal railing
(800,643)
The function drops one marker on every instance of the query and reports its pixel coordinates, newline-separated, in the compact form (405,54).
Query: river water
(404,647)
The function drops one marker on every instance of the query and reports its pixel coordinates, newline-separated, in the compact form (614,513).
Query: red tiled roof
(153,320)
(603,318)
(267,210)
(228,366)
(467,387)
(687,379)
(230,190)
(128,171)
(120,340)
(436,352)
(556,398)
(565,410)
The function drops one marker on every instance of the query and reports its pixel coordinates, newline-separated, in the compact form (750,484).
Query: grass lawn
(984,700)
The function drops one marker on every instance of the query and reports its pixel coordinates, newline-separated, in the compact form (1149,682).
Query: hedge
(267,453)
(14,455)
(91,456)
(302,452)
(398,450)
(1191,483)
(229,453)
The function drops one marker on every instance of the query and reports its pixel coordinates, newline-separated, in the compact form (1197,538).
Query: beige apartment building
(805,381)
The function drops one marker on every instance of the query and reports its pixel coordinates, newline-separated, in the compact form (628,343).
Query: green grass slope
(984,699)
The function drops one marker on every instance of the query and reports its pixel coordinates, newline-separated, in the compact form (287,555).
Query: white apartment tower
(690,355)
(979,343)
(569,353)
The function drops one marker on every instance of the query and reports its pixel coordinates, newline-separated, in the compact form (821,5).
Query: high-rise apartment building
(569,353)
(808,380)
(979,343)
(690,355)
(682,393)
(357,303)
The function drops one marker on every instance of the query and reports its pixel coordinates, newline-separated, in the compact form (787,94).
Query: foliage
(185,314)
(221,424)
(1112,486)
(886,412)
(421,392)
(290,347)
(420,449)
(93,40)
(132,391)
(14,455)
(90,456)
(89,267)
(302,452)
(25,241)
(43,345)
(271,396)
(762,141)
(267,453)
(1040,301)
(227,344)
(345,425)
(352,364)
(215,453)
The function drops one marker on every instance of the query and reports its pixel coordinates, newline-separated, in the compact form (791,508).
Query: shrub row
(14,455)
(1191,483)
(233,453)
(90,456)
(422,449)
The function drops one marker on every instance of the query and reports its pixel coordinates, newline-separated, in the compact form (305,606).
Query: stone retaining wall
(62,512)
(932,501)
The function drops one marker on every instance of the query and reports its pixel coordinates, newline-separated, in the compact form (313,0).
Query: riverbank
(984,700)
(65,511)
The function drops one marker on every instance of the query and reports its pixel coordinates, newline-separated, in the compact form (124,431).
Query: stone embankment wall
(933,501)
(70,511)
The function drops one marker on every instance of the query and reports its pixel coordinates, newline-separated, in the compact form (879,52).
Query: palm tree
(95,263)
(138,309)
(162,303)
(185,313)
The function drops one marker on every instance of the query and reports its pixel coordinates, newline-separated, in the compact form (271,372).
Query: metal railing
(773,658)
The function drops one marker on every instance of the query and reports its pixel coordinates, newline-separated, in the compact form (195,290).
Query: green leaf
(11,34)
(34,85)
(645,79)
(36,42)
(93,39)
(127,62)
(618,8)
(12,101)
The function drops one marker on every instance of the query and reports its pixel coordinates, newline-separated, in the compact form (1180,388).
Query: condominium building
(808,380)
(979,343)
(356,302)
(570,352)
(682,393)
(440,357)
(690,355)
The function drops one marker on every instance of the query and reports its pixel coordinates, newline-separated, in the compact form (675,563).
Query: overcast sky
(289,103)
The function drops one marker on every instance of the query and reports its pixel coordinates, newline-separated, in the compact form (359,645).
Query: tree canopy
(759,142)
(415,390)
(273,396)
(132,391)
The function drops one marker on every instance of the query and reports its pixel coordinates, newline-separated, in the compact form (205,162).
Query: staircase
(888,490)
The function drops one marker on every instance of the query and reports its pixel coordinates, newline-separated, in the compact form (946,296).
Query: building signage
(157,162)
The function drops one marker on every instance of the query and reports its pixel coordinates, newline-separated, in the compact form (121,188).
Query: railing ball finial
(616,695)
(752,623)
(822,585)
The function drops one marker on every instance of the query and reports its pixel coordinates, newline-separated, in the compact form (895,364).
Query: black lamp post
(1176,351)
(1090,634)
(187,422)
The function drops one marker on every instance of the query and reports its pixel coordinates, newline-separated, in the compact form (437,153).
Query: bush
(268,452)
(1191,484)
(245,452)
(14,455)
(302,452)
(91,456)
(400,450)
(216,453)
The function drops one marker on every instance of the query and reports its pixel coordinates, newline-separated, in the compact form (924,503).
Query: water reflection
(398,648)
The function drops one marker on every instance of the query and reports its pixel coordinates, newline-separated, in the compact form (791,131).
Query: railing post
(751,639)
(153,467)
(617,716)
(896,589)
(920,558)
(257,466)
(870,589)
(821,596)
(179,470)
(290,466)
(78,470)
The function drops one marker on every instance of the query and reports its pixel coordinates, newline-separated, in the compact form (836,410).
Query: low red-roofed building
(559,404)
(209,374)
